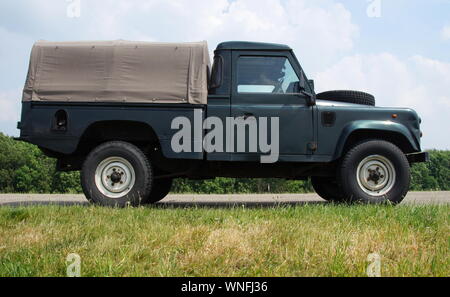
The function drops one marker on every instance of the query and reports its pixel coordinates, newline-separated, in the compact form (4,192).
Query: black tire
(161,187)
(328,188)
(120,159)
(348,97)
(359,181)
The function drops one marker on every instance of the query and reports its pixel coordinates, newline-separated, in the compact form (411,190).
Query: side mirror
(311,83)
(310,97)
(302,83)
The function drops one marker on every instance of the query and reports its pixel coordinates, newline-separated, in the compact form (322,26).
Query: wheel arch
(364,130)
(138,133)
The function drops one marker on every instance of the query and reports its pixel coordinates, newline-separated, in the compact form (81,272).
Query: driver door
(266,85)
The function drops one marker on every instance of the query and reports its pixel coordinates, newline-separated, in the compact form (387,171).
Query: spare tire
(348,97)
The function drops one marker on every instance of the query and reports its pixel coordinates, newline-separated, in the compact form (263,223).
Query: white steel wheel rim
(115,177)
(376,175)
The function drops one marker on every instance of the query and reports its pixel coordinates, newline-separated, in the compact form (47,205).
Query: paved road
(266,200)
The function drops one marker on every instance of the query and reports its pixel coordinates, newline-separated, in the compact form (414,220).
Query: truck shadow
(177,205)
(43,203)
(247,204)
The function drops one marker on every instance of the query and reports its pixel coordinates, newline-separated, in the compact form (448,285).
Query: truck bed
(91,122)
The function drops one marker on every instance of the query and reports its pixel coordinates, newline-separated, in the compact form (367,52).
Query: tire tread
(348,96)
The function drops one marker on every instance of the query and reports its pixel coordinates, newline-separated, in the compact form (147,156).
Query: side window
(270,75)
(216,74)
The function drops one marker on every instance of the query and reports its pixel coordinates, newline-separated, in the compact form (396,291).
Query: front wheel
(375,172)
(117,174)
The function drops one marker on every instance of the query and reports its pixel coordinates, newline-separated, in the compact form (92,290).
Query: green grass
(311,240)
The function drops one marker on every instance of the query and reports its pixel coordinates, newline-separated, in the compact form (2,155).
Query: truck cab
(258,80)
(262,118)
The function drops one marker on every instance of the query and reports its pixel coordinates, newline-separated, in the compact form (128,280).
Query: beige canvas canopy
(118,71)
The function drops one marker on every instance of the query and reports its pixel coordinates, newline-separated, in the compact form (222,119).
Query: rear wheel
(327,188)
(375,172)
(161,187)
(117,174)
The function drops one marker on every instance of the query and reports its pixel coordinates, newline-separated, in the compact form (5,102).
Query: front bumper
(418,157)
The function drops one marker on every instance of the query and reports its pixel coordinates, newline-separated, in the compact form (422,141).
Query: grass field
(311,240)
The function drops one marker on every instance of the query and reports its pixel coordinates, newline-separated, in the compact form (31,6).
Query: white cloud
(445,33)
(313,28)
(316,28)
(416,82)
(9,111)
(14,58)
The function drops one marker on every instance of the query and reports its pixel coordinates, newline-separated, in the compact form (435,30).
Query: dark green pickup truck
(133,116)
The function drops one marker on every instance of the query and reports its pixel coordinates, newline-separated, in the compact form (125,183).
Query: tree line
(25,169)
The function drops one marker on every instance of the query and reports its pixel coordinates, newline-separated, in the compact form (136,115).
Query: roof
(246,45)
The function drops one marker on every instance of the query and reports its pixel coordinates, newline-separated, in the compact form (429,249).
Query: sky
(398,50)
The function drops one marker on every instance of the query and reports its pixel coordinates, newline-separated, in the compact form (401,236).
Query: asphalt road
(265,200)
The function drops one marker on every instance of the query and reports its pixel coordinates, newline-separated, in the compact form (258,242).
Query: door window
(266,75)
